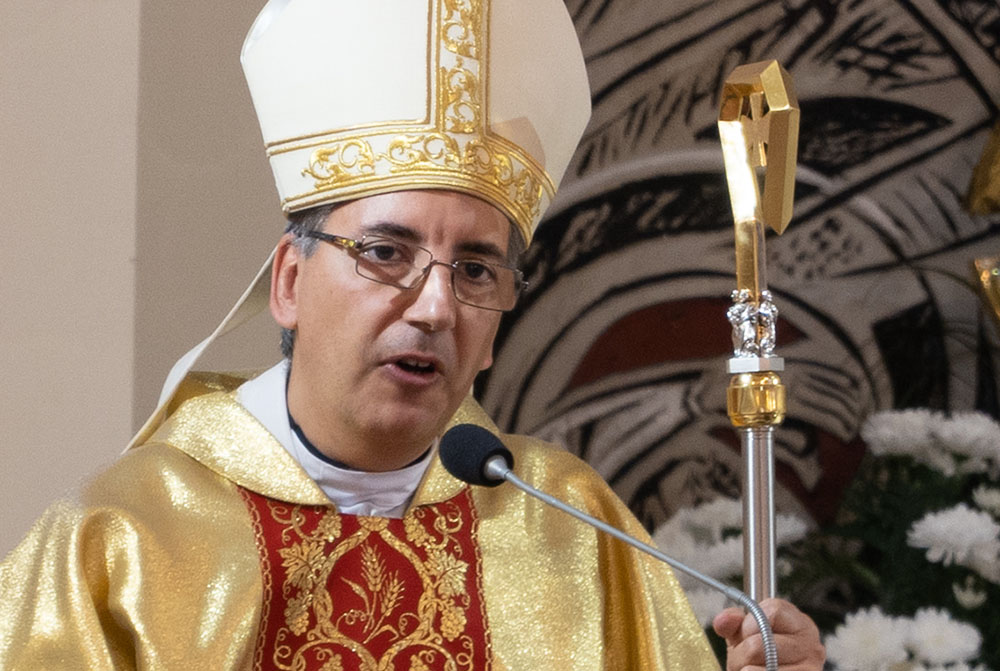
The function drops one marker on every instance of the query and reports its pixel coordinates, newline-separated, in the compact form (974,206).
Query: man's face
(375,364)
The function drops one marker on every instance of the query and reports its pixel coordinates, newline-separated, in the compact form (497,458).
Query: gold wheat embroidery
(431,548)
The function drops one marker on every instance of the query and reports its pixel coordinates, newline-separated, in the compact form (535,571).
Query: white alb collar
(353,492)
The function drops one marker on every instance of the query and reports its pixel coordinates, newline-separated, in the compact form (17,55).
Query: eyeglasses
(481,284)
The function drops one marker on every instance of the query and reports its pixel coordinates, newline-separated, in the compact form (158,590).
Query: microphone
(474,455)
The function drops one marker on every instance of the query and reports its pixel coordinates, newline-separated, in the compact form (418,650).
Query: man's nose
(434,307)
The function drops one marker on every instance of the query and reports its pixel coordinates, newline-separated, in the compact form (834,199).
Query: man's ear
(284,282)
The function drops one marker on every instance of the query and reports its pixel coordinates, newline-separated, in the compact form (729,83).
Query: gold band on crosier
(455,149)
(756,399)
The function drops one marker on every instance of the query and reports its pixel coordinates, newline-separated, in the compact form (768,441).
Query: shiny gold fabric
(157,567)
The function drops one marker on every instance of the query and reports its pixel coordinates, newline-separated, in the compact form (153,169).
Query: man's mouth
(417,366)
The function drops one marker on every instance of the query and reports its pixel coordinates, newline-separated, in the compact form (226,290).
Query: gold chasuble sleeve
(156,568)
(565,596)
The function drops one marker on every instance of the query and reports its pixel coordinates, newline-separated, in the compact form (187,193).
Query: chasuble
(208,547)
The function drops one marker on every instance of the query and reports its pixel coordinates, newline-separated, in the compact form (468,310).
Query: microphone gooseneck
(474,455)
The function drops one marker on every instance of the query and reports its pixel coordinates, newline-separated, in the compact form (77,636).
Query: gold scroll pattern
(315,625)
(460,101)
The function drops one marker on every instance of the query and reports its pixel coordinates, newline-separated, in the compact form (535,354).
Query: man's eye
(385,252)
(481,273)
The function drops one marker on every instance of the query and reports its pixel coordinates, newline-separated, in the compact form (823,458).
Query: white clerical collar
(353,492)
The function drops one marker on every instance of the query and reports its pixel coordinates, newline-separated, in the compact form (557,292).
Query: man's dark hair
(306,221)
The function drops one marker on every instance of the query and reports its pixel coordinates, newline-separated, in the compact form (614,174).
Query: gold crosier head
(759,127)
(759,130)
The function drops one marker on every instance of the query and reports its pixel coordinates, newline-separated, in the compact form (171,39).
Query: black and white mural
(618,349)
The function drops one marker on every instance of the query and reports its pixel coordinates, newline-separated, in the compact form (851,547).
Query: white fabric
(253,301)
(353,492)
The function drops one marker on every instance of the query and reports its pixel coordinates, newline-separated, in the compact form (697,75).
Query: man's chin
(416,422)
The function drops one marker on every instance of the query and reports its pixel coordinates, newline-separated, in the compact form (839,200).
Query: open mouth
(417,367)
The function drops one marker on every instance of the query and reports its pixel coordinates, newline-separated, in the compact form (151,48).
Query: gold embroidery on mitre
(463,27)
(459,89)
(343,160)
(457,150)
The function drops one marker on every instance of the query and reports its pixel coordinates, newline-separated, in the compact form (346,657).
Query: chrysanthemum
(789,529)
(723,560)
(987,498)
(971,434)
(986,562)
(899,432)
(909,433)
(706,604)
(968,595)
(868,640)
(696,536)
(706,522)
(935,638)
(956,535)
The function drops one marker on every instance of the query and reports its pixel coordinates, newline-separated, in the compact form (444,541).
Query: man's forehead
(421,216)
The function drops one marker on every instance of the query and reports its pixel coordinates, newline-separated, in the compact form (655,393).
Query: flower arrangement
(710,537)
(908,578)
(918,545)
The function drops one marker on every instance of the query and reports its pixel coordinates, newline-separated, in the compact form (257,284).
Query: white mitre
(488,97)
(485,97)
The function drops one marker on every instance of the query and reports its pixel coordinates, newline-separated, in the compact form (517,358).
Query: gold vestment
(157,566)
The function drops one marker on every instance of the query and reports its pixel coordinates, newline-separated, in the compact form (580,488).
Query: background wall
(207,213)
(138,206)
(618,349)
(68,92)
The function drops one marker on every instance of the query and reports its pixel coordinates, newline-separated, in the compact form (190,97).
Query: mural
(618,349)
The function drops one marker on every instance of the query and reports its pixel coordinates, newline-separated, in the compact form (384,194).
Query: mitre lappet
(484,97)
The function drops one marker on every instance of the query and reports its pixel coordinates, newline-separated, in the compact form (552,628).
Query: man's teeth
(420,366)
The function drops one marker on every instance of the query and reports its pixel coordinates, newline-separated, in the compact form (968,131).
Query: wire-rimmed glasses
(475,282)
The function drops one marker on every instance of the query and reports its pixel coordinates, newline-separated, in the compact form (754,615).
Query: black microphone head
(466,448)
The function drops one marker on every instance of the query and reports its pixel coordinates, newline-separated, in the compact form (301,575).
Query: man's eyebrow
(391,229)
(480,248)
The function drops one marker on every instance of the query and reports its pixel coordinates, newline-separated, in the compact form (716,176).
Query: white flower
(677,544)
(908,433)
(986,562)
(987,498)
(899,432)
(706,604)
(935,638)
(789,529)
(868,640)
(968,595)
(956,535)
(722,560)
(971,434)
(705,523)
(703,538)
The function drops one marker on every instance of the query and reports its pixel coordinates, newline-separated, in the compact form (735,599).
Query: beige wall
(207,212)
(133,144)
(68,83)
